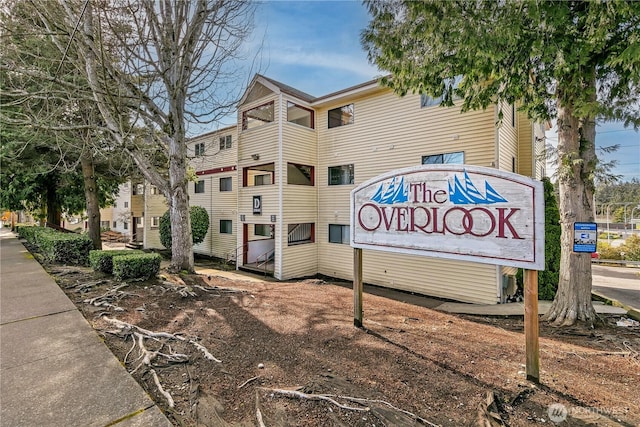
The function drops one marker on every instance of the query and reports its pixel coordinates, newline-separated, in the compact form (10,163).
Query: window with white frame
(449,86)
(155,221)
(154,190)
(341,175)
(225,184)
(339,234)
(445,158)
(126,204)
(226,142)
(125,225)
(341,116)
(199,187)
(226,226)
(199,149)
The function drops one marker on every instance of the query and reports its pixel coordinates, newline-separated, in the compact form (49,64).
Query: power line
(73,33)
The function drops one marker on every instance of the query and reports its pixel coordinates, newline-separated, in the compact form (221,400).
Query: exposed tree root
(166,395)
(248,381)
(108,298)
(331,398)
(258,412)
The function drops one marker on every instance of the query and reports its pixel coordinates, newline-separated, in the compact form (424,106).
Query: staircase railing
(267,256)
(233,256)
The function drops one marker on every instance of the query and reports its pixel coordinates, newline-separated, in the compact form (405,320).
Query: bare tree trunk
(91,196)
(577,159)
(54,213)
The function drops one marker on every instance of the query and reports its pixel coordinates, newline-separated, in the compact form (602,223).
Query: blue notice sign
(585,236)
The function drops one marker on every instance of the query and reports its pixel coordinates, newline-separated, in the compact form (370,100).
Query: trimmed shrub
(27,232)
(103,260)
(199,226)
(64,248)
(137,266)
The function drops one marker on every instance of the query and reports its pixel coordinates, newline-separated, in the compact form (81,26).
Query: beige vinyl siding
(508,140)
(390,132)
(525,146)
(213,156)
(539,150)
(156,205)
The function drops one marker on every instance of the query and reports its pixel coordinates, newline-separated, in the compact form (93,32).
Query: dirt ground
(246,353)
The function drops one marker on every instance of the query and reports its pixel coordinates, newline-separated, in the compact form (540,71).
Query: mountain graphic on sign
(468,194)
(393,192)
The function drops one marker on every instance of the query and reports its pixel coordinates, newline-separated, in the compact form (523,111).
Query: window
(225,184)
(138,220)
(138,189)
(299,115)
(126,204)
(199,148)
(199,187)
(341,175)
(154,190)
(262,230)
(437,159)
(104,224)
(115,224)
(449,86)
(155,221)
(257,116)
(125,225)
(341,116)
(339,234)
(225,142)
(299,234)
(258,175)
(226,226)
(299,174)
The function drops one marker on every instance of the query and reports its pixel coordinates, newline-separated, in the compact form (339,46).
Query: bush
(631,248)
(606,251)
(103,260)
(27,232)
(136,266)
(64,248)
(199,226)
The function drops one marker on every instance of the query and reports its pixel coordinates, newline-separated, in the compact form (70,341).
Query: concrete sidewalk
(54,369)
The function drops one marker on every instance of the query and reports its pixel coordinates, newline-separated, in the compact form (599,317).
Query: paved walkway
(54,369)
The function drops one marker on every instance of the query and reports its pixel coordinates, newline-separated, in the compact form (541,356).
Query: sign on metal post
(457,212)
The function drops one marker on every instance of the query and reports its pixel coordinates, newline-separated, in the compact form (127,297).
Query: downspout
(279,223)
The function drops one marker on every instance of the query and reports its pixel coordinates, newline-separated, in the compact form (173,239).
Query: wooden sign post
(456,212)
(531,327)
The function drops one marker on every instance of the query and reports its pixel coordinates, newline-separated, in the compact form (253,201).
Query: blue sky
(315,47)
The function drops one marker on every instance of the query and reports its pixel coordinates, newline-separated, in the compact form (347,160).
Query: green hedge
(64,248)
(136,266)
(28,232)
(103,260)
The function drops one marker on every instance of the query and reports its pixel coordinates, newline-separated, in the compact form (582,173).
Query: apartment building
(277,184)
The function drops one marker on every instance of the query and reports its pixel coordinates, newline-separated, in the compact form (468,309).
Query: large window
(339,234)
(199,149)
(299,174)
(225,184)
(257,116)
(225,142)
(449,86)
(341,175)
(199,187)
(262,230)
(437,159)
(226,226)
(299,115)
(258,175)
(299,234)
(341,116)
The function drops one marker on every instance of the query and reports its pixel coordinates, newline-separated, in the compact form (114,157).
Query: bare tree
(162,65)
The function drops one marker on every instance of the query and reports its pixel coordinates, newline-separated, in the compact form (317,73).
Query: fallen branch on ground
(248,381)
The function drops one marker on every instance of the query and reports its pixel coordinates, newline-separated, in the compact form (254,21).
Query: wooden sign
(452,211)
